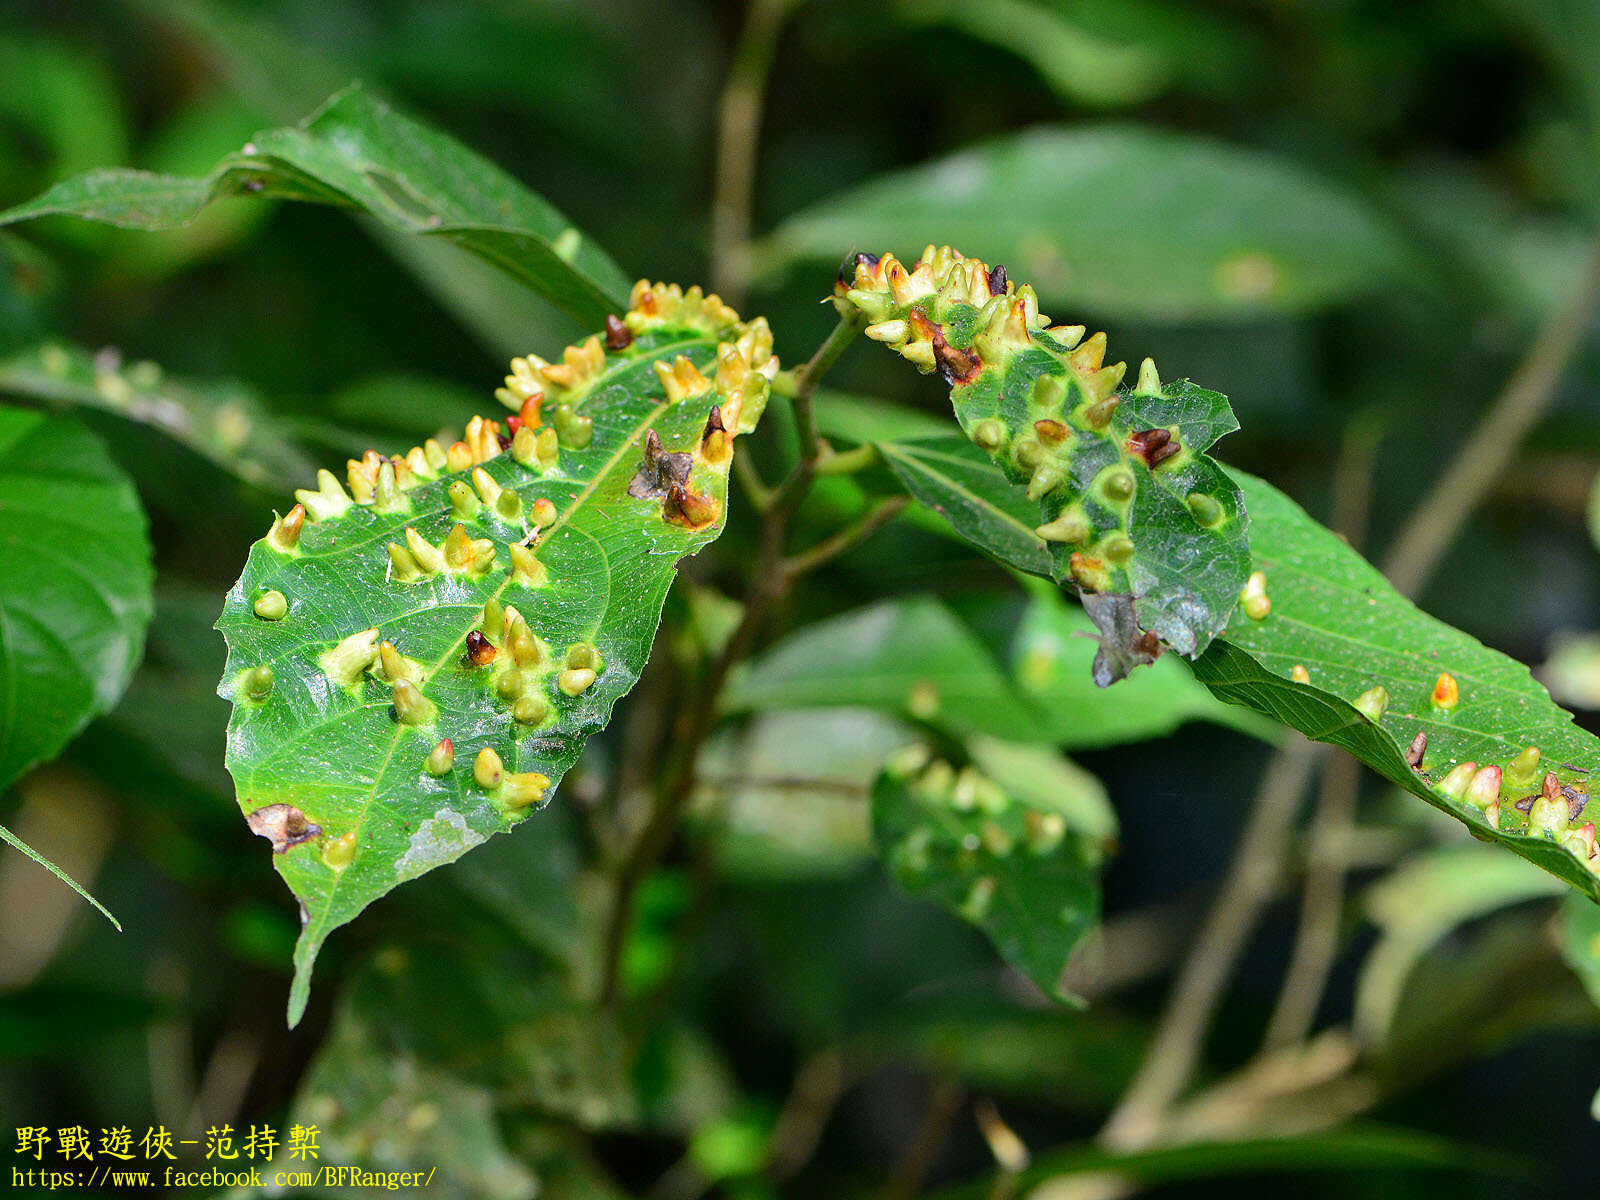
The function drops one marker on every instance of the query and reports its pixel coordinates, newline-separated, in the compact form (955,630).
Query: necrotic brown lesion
(283,825)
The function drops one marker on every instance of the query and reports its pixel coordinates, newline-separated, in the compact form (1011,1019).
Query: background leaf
(916,656)
(1016,867)
(1121,220)
(1421,902)
(75,581)
(358,152)
(225,423)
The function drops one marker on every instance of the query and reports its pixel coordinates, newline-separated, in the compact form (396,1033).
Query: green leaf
(955,479)
(1136,516)
(1075,61)
(358,152)
(1016,867)
(1334,615)
(75,594)
(914,656)
(75,582)
(331,741)
(1122,220)
(1043,779)
(1351,1148)
(1580,943)
(224,423)
(1418,904)
(911,656)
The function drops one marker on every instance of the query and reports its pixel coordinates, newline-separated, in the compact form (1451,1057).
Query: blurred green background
(1428,177)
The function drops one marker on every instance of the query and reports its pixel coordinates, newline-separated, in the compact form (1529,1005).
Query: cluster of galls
(653,307)
(382,483)
(510,791)
(545,398)
(1552,811)
(519,664)
(969,793)
(918,313)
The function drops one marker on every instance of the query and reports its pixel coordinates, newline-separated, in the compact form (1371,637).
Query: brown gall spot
(959,366)
(618,335)
(997,280)
(1418,747)
(480,652)
(659,471)
(1576,799)
(284,825)
(713,422)
(1051,432)
(1525,805)
(1155,446)
(689,509)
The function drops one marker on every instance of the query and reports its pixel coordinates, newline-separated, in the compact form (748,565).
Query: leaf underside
(1132,512)
(357,152)
(617,470)
(1018,869)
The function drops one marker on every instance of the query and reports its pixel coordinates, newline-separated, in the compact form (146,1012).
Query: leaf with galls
(417,653)
(1025,870)
(1132,509)
(1341,656)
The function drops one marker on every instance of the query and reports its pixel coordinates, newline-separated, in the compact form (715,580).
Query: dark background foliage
(1462,127)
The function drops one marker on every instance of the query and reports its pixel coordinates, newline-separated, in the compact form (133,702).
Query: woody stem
(697,719)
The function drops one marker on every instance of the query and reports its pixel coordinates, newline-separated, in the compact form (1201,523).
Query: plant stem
(1524,399)
(944,1101)
(1252,875)
(738,138)
(818,1085)
(809,376)
(1316,942)
(853,534)
(699,715)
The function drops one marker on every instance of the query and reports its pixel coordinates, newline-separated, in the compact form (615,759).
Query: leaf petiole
(13,840)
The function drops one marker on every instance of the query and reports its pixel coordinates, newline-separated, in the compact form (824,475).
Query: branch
(698,717)
(738,136)
(1524,399)
(1316,942)
(1234,914)
(853,534)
